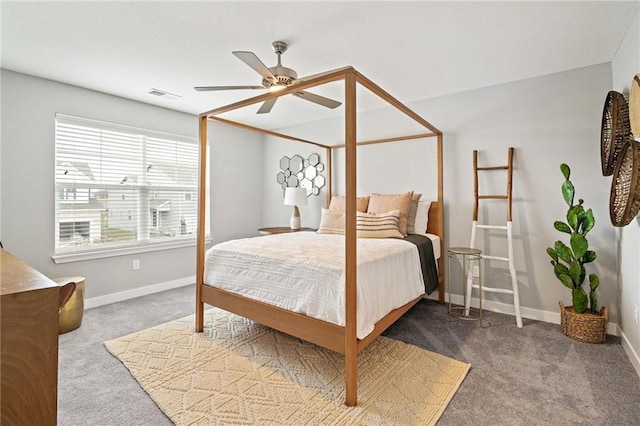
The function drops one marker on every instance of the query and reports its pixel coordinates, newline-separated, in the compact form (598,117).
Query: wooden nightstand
(280,230)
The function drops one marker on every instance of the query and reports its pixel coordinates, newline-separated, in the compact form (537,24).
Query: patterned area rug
(239,372)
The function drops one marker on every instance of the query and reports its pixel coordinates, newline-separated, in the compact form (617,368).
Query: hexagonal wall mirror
(314,159)
(284,163)
(310,172)
(296,163)
(305,172)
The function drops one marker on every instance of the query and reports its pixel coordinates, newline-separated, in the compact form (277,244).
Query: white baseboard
(502,308)
(505,308)
(631,353)
(137,292)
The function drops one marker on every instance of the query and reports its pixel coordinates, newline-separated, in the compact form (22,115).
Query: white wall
(625,65)
(29,105)
(548,120)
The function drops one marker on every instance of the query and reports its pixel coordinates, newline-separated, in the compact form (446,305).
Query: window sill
(124,251)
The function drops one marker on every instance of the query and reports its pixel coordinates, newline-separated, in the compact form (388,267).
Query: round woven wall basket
(634,105)
(586,327)
(624,200)
(615,130)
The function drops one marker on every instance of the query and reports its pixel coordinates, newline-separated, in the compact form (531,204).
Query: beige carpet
(238,372)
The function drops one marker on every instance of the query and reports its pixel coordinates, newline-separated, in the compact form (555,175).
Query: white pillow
(422,217)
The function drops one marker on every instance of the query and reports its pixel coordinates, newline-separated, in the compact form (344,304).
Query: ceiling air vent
(163,94)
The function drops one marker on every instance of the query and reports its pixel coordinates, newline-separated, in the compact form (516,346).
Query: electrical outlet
(136,264)
(476,271)
(635,314)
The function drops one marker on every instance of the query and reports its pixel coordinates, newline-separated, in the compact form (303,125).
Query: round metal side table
(467,255)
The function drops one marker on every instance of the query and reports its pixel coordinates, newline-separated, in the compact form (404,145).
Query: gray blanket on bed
(427,261)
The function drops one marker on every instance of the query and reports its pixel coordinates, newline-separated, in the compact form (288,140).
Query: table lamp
(295,197)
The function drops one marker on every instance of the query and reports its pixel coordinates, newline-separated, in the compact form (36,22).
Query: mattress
(303,272)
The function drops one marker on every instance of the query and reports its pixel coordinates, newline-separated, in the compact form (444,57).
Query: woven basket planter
(586,327)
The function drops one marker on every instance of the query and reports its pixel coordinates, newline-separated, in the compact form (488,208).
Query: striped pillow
(381,203)
(378,225)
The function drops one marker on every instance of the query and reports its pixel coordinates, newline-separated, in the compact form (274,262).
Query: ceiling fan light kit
(273,79)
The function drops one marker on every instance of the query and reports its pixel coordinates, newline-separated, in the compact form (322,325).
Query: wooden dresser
(28,345)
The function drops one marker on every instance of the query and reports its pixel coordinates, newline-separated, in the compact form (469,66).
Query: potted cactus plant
(582,321)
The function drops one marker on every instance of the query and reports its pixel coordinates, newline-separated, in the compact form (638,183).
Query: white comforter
(304,272)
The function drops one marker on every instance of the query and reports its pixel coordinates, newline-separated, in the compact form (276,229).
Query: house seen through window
(119,186)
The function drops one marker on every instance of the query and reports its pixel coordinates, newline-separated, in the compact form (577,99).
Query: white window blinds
(119,187)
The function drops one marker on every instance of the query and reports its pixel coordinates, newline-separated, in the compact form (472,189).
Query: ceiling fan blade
(254,62)
(212,88)
(320,100)
(266,106)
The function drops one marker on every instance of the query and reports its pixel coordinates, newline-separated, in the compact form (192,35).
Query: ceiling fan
(274,78)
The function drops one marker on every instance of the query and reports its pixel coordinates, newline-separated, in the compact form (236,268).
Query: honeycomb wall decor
(304,172)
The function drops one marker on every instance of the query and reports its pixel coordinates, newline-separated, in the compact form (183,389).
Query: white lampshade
(295,196)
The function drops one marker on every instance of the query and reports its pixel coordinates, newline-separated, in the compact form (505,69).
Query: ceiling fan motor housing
(284,76)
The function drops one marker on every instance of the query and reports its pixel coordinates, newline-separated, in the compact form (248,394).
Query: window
(121,187)
(74,230)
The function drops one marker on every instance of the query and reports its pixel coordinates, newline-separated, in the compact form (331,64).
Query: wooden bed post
(351,267)
(441,224)
(202,202)
(329,163)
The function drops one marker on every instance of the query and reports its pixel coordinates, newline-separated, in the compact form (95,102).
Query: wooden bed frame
(337,338)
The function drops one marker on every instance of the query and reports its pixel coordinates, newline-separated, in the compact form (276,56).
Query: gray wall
(274,213)
(625,65)
(383,168)
(29,105)
(548,120)
(236,181)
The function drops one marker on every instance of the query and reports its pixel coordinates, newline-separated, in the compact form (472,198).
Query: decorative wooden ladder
(507,228)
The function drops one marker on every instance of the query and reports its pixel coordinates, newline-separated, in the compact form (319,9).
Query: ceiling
(414,50)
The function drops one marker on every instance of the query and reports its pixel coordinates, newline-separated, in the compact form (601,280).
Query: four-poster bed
(342,339)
